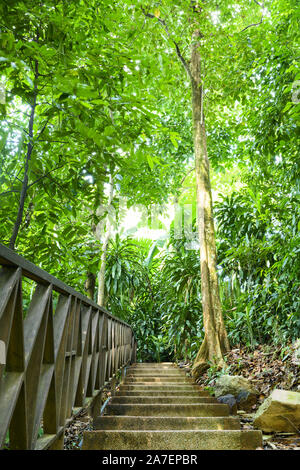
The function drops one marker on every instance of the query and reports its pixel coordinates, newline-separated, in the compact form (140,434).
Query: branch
(185,176)
(54,141)
(164,25)
(181,183)
(11,191)
(261,20)
(22,128)
(45,175)
(254,24)
(42,130)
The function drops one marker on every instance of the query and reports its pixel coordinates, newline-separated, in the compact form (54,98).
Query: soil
(82,422)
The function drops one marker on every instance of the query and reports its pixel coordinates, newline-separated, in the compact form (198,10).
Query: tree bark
(215,342)
(90,285)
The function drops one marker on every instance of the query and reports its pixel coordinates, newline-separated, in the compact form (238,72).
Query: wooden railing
(53,361)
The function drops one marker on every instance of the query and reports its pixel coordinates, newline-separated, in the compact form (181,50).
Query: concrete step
(155,370)
(171,440)
(162,399)
(151,423)
(149,393)
(154,385)
(157,365)
(169,409)
(158,407)
(155,379)
(162,388)
(161,373)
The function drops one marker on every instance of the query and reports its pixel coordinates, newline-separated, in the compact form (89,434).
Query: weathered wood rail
(55,361)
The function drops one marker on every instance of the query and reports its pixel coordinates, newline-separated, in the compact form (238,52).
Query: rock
(246,400)
(230,401)
(296,353)
(279,412)
(240,388)
(233,384)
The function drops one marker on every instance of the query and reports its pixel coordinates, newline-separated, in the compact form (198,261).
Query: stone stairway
(159,408)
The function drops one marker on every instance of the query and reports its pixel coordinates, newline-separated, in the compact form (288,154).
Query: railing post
(58,444)
(95,407)
(133,350)
(123,373)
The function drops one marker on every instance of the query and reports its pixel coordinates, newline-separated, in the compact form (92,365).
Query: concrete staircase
(159,408)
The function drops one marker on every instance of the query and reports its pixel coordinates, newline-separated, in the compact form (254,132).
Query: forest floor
(267,367)
(82,422)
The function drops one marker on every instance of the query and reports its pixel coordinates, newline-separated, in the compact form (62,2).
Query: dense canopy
(97,124)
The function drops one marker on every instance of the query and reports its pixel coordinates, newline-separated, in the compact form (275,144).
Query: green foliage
(260,273)
(93,112)
(213,373)
(111,97)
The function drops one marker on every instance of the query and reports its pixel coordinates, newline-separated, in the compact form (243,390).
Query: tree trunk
(90,285)
(101,274)
(24,189)
(215,342)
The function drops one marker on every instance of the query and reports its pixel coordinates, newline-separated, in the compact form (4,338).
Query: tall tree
(215,342)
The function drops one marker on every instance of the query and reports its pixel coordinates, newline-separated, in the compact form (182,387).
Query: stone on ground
(238,386)
(296,353)
(230,401)
(279,412)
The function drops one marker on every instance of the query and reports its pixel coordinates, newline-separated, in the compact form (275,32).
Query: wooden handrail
(55,361)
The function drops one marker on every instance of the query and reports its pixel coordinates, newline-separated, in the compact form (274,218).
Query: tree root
(199,368)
